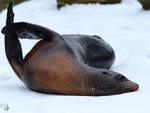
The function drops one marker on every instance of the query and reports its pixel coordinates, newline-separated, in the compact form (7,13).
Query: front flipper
(30,31)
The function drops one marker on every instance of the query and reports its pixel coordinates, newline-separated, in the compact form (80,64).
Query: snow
(124,26)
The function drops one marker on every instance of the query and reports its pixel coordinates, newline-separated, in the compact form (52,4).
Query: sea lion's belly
(55,71)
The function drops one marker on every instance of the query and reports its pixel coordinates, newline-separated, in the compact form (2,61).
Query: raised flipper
(12,45)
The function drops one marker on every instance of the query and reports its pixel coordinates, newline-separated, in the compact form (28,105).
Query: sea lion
(63,64)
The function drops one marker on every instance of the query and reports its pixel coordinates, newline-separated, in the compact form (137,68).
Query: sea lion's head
(110,83)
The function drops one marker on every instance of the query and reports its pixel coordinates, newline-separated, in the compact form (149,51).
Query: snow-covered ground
(125,26)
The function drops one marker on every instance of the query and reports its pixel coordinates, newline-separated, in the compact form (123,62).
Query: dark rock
(3,3)
(61,3)
(145,4)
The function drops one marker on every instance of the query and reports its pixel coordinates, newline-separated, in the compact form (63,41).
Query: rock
(145,4)
(61,3)
(3,3)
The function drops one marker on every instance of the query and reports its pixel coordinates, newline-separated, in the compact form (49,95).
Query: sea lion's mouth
(126,87)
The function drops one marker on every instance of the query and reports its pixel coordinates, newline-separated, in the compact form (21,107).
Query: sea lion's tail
(12,45)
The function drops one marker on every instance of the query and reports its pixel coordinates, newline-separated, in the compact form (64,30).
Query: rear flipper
(30,31)
(12,45)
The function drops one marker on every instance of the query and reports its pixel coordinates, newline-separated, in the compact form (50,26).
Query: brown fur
(54,72)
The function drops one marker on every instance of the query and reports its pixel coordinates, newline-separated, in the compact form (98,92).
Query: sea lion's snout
(110,83)
(128,85)
(131,86)
(125,84)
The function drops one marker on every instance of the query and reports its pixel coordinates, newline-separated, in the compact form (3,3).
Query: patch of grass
(61,3)
(4,3)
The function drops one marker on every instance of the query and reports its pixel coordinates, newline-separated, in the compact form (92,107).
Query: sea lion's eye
(120,77)
(106,73)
